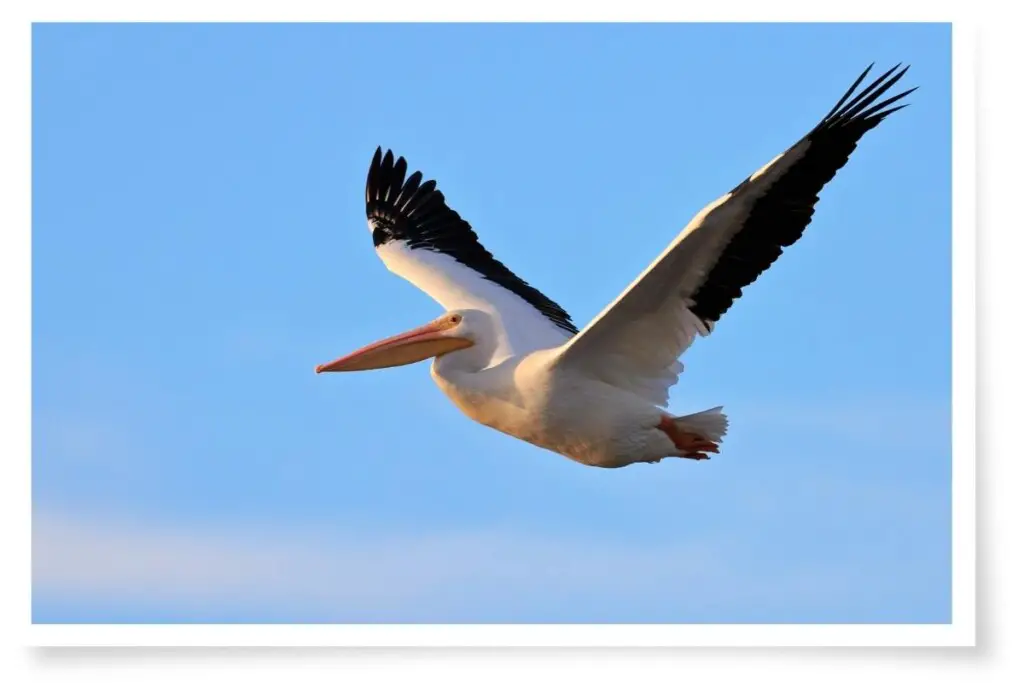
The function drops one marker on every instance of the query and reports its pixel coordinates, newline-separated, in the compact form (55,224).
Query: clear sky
(199,245)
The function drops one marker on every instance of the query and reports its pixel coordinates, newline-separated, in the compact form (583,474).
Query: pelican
(512,359)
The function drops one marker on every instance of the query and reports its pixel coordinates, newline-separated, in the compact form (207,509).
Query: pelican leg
(695,456)
(692,443)
(691,446)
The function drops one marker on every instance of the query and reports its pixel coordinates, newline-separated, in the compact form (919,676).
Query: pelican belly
(583,419)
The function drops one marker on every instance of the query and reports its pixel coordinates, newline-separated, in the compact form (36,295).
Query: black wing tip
(859,109)
(383,158)
(786,208)
(389,190)
(414,210)
(382,153)
(395,200)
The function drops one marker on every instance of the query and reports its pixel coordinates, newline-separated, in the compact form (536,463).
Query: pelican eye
(455,319)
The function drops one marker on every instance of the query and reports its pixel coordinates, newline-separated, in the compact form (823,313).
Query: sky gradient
(199,245)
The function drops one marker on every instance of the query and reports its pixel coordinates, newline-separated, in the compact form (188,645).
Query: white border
(960,632)
(491,635)
(964,335)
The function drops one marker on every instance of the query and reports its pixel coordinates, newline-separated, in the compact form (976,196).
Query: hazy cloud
(322,570)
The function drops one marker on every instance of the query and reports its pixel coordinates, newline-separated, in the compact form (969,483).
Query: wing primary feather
(870,113)
(397,180)
(849,92)
(371,177)
(868,92)
(857,109)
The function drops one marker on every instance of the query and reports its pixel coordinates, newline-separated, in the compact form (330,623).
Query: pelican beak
(413,346)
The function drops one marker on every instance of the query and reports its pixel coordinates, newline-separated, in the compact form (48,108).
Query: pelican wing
(635,343)
(421,239)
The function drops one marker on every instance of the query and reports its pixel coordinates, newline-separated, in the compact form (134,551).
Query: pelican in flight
(512,359)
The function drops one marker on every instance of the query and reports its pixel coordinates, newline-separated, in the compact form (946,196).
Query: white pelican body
(531,398)
(511,359)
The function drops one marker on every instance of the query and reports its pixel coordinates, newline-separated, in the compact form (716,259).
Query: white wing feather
(635,343)
(522,327)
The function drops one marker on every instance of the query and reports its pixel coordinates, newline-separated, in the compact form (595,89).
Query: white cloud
(323,571)
(98,566)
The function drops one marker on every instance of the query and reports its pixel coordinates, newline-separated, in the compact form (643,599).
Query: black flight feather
(417,214)
(779,217)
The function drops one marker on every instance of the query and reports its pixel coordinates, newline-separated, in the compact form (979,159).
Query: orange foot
(690,445)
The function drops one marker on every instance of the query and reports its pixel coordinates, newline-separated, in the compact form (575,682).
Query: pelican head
(448,333)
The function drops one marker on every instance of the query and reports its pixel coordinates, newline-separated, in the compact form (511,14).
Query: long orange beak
(402,349)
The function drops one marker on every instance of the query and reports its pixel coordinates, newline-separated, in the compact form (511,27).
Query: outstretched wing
(636,341)
(421,239)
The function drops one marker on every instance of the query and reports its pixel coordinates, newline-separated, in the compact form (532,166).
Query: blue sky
(199,245)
